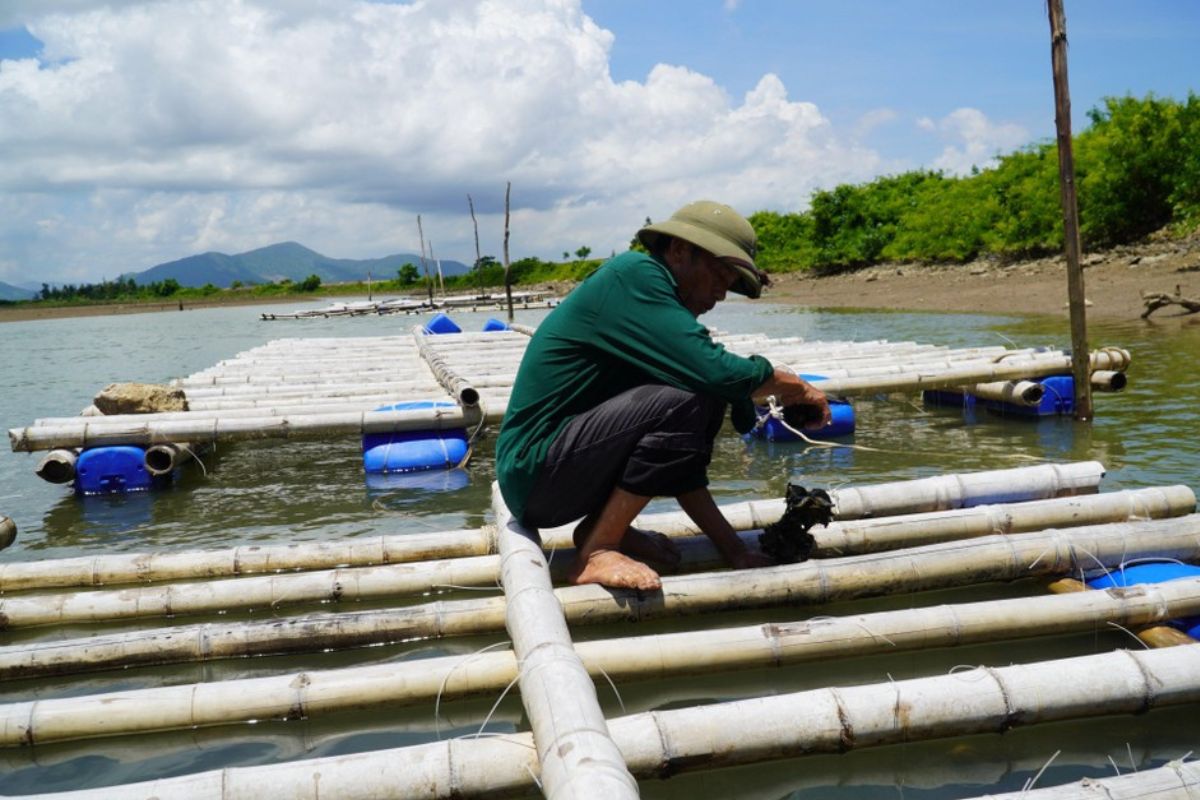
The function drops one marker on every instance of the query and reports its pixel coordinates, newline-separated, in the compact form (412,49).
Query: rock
(1133,262)
(979,271)
(139,398)
(1093,260)
(870,278)
(8,532)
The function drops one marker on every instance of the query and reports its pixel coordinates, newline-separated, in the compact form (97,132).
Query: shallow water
(279,492)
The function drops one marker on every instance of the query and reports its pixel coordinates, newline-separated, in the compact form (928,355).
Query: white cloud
(974,139)
(157,129)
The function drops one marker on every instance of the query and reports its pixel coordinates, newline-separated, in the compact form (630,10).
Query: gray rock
(139,398)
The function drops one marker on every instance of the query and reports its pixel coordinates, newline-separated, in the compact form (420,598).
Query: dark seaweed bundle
(788,540)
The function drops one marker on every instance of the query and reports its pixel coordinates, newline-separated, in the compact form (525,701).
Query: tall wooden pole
(507,265)
(479,256)
(1080,367)
(424,263)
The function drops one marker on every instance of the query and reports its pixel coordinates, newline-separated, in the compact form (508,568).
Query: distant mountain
(10,292)
(278,261)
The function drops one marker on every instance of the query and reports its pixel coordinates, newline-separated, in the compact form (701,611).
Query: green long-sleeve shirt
(624,326)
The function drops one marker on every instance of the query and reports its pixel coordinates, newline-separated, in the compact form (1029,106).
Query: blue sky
(140,131)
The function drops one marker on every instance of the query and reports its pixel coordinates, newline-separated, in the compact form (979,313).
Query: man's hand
(790,389)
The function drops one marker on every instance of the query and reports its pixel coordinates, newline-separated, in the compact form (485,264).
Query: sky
(134,132)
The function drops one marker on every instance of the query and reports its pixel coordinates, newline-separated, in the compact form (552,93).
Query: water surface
(312,491)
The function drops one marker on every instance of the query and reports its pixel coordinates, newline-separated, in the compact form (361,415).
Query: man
(621,393)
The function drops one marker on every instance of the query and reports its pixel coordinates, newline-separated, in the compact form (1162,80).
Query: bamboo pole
(8,531)
(1153,636)
(1025,393)
(163,459)
(887,527)
(298,426)
(661,743)
(991,558)
(1080,368)
(507,266)
(578,758)
(58,466)
(960,376)
(1176,779)
(122,568)
(1105,380)
(312,693)
(424,265)
(455,385)
(357,583)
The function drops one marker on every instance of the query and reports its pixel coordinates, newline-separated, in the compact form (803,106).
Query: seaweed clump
(788,540)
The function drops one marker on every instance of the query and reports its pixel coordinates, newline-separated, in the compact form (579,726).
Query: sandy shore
(1114,281)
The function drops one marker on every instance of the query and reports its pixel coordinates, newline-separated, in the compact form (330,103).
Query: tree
(310,284)
(408,275)
(583,253)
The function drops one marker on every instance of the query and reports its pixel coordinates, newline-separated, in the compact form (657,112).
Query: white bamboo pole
(1176,780)
(578,758)
(8,531)
(661,743)
(300,426)
(992,558)
(357,583)
(1108,380)
(960,376)
(455,384)
(312,693)
(888,527)
(1025,393)
(120,568)
(162,459)
(58,466)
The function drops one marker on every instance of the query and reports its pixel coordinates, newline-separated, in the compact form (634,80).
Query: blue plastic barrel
(441,323)
(411,451)
(110,470)
(494,325)
(1153,572)
(1058,399)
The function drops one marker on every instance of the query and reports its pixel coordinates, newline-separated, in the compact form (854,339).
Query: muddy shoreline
(1114,282)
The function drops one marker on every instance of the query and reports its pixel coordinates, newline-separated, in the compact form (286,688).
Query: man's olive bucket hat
(720,230)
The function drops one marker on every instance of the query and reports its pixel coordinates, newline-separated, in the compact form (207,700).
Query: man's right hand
(790,389)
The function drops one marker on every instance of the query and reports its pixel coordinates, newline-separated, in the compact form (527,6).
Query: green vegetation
(1137,171)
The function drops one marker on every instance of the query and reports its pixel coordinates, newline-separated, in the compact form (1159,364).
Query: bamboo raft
(326,388)
(1031,524)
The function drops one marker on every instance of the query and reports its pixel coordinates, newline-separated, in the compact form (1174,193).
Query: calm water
(313,491)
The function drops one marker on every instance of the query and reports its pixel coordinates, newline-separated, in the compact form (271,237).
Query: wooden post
(424,263)
(478,255)
(507,265)
(1066,172)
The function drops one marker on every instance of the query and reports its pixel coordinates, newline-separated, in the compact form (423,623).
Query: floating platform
(1046,526)
(326,388)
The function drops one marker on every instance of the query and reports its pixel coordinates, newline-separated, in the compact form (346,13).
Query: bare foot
(614,570)
(651,547)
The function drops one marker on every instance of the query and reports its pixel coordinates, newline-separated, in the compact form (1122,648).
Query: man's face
(705,281)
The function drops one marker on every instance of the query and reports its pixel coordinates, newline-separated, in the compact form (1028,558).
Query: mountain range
(278,261)
(10,292)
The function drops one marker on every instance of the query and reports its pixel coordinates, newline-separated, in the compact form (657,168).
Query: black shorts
(652,440)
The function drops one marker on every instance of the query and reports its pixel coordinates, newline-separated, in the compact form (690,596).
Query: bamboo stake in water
(312,693)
